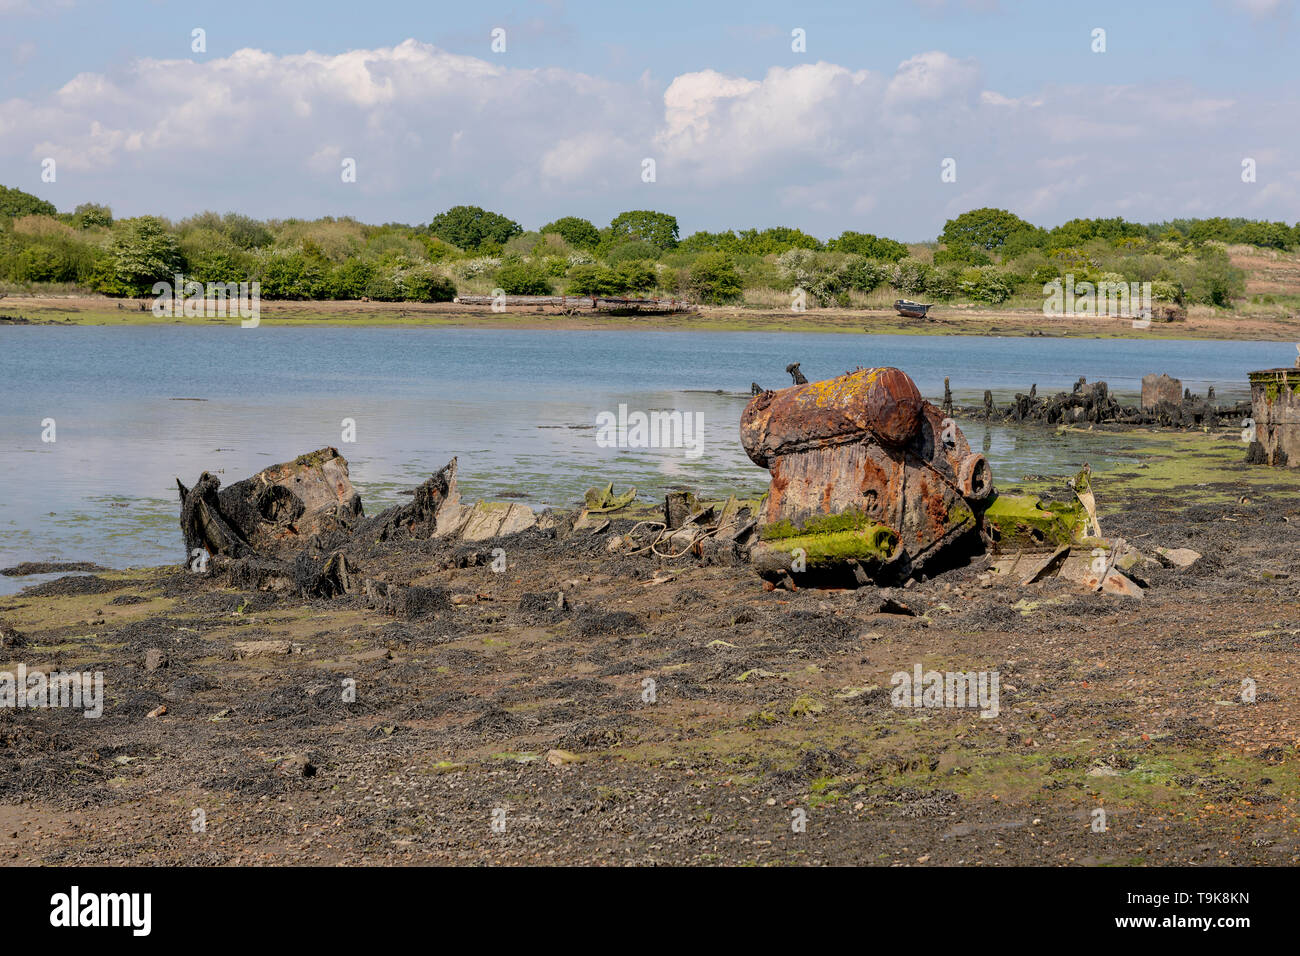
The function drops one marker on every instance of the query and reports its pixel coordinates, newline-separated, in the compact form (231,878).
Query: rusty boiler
(868,480)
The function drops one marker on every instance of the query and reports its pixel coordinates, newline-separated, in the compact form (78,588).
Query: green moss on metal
(959,513)
(818,524)
(599,500)
(875,543)
(1025,520)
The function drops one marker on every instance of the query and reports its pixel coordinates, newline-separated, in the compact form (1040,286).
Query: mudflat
(672,711)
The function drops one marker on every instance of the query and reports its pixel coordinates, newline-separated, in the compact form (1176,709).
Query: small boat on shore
(911,310)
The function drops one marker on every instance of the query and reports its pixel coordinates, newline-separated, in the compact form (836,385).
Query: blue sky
(744,131)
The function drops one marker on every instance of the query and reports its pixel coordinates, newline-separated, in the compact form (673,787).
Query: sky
(881,117)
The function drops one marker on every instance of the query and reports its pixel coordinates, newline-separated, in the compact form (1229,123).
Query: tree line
(984,255)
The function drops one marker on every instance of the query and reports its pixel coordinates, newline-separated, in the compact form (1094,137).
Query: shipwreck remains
(1275,416)
(1164,402)
(293,525)
(871,483)
(278,507)
(615,305)
(867,477)
(1160,388)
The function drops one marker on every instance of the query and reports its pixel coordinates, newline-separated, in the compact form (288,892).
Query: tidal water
(134,409)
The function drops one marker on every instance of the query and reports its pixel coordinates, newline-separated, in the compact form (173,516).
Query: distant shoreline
(1201,324)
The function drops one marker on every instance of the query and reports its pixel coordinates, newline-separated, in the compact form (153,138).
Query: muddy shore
(1202,322)
(497,703)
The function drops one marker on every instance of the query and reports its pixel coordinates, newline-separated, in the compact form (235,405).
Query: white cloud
(819,145)
(933,76)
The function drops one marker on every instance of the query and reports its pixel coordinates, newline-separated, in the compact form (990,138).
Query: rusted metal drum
(851,457)
(883,403)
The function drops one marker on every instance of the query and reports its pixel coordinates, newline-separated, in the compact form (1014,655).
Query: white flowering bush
(481,265)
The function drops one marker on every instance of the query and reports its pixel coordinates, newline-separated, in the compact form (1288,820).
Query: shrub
(41,263)
(985,285)
(910,275)
(554,266)
(670,280)
(522,244)
(713,278)
(1211,279)
(89,215)
(943,283)
(1044,274)
(473,268)
(631,251)
(595,280)
(523,279)
(862,275)
(384,288)
(352,279)
(754,242)
(436,250)
(221,265)
(423,284)
(1167,291)
(296,275)
(827,277)
(638,275)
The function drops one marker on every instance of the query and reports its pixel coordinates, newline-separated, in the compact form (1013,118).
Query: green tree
(14,203)
(579,233)
(657,228)
(472,228)
(143,252)
(986,228)
(90,214)
(963,255)
(865,244)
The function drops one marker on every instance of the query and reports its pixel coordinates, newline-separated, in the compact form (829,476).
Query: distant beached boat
(912,310)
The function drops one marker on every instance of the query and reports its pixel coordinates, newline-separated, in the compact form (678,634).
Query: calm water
(518,407)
